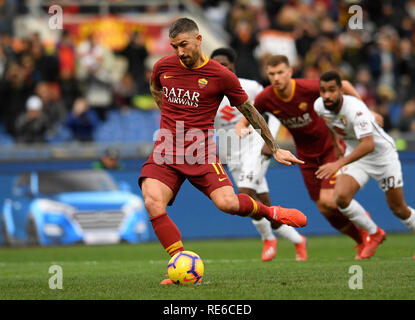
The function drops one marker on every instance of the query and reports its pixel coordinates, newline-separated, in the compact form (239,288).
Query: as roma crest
(343,120)
(202,83)
(303,106)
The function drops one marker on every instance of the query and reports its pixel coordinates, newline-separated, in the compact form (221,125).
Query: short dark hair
(182,25)
(331,75)
(275,60)
(227,52)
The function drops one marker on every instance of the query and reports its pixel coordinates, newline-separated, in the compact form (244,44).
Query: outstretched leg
(243,205)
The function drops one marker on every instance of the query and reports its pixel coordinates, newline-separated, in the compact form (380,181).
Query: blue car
(68,207)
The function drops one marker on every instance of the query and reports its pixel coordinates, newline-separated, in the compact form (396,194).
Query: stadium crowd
(44,90)
(378,59)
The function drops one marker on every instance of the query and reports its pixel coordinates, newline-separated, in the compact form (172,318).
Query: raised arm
(350,90)
(258,122)
(156,93)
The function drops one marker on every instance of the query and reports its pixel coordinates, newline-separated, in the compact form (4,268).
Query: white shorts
(244,159)
(251,174)
(388,176)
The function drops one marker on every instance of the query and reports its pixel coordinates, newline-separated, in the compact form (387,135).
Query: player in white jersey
(246,162)
(370,152)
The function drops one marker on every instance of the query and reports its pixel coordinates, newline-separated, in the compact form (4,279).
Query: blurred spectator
(8,10)
(324,55)
(379,60)
(216,12)
(6,47)
(351,45)
(82,120)
(66,52)
(384,106)
(241,11)
(3,62)
(32,126)
(408,117)
(143,99)
(94,73)
(46,66)
(70,88)
(136,53)
(28,67)
(110,160)
(382,58)
(14,93)
(53,107)
(406,28)
(364,86)
(124,91)
(90,54)
(406,67)
(305,34)
(244,42)
(391,14)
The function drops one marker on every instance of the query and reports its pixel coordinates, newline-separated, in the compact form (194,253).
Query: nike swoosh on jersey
(221,179)
(167,77)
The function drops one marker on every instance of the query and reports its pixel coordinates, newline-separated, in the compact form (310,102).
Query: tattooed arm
(156,93)
(258,122)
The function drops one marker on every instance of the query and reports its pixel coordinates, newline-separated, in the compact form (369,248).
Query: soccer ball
(185,267)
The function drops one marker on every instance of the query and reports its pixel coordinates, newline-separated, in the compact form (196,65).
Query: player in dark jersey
(291,101)
(188,87)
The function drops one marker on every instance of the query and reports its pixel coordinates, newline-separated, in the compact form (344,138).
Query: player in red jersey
(291,101)
(188,88)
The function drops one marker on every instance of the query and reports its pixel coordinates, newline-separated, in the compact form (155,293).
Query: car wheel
(32,234)
(4,236)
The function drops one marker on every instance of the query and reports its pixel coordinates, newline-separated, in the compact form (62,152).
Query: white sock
(289,233)
(410,222)
(264,228)
(357,214)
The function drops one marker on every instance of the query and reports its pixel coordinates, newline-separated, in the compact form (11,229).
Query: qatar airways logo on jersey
(181,96)
(297,122)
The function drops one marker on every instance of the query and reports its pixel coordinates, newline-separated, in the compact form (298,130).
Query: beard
(187,61)
(190,60)
(333,104)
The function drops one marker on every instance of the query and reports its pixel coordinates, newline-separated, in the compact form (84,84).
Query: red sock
(251,207)
(344,225)
(167,233)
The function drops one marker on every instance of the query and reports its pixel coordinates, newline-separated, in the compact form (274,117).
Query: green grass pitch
(233,270)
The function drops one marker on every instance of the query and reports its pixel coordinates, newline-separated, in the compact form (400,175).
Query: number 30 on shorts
(387,183)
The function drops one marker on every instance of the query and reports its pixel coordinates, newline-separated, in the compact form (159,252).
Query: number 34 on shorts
(249,176)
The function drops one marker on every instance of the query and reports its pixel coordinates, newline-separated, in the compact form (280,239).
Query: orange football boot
(290,217)
(301,250)
(269,249)
(361,246)
(372,242)
(167,281)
